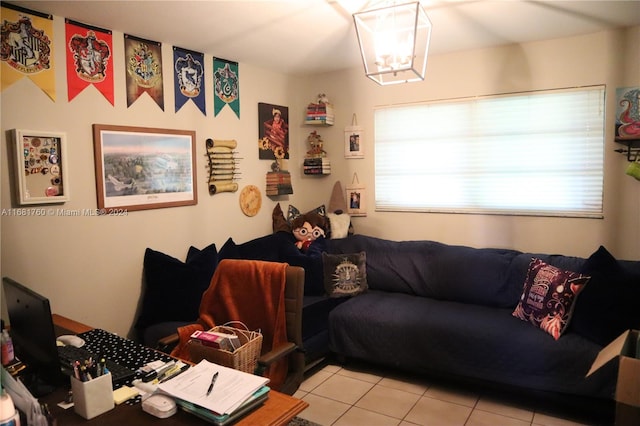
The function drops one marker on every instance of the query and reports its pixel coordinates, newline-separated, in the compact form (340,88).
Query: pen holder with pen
(93,397)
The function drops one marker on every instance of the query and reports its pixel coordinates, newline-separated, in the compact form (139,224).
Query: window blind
(535,153)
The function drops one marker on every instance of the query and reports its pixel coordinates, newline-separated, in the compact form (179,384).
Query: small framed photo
(140,168)
(353,142)
(42,173)
(356,200)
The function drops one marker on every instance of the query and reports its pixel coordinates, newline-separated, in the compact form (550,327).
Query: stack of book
(320,114)
(317,166)
(279,183)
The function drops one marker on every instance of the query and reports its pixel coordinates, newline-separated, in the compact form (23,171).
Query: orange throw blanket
(249,291)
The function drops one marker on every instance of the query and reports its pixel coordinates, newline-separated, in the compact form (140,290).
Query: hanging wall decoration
(354,140)
(356,197)
(188,71)
(143,69)
(226,86)
(139,168)
(42,172)
(273,132)
(316,161)
(223,165)
(627,114)
(27,48)
(250,200)
(89,59)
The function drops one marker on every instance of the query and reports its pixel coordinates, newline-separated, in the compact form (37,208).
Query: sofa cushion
(345,274)
(609,304)
(432,269)
(173,288)
(548,297)
(465,340)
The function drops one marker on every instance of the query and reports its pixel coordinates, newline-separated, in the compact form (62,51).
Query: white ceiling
(304,36)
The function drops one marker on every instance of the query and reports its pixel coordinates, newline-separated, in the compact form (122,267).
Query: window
(534,153)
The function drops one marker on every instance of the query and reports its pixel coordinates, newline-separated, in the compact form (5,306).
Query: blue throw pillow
(608,306)
(173,289)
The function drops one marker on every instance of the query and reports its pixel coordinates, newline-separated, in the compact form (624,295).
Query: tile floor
(362,395)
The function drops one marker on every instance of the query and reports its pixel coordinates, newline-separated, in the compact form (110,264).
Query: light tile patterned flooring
(362,395)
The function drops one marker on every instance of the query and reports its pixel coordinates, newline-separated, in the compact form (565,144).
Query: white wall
(610,58)
(91,267)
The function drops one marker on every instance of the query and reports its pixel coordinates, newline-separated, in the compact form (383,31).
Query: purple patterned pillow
(548,297)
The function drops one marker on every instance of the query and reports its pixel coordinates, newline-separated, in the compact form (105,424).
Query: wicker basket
(244,358)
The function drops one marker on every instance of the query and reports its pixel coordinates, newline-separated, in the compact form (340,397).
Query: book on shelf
(319,114)
(317,170)
(315,107)
(319,120)
(279,191)
(276,181)
(316,161)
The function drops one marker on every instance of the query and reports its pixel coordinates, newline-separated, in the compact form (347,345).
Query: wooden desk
(278,410)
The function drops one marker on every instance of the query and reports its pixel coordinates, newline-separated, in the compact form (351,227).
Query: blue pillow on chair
(173,288)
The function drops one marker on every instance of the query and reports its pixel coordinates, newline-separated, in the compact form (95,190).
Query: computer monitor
(34,338)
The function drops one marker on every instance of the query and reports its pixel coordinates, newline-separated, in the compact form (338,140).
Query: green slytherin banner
(226,86)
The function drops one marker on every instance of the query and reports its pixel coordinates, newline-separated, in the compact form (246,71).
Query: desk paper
(232,387)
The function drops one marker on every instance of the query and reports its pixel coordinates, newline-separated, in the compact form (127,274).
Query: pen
(213,382)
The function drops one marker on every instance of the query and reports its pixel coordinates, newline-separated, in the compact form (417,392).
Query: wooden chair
(293,348)
(293,298)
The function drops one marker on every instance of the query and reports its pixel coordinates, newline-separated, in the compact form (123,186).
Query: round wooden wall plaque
(250,200)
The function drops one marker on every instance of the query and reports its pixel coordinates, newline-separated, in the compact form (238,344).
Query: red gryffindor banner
(89,59)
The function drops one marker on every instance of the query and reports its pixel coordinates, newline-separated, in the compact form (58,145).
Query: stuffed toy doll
(308,228)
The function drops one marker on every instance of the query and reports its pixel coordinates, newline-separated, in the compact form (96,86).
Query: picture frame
(41,168)
(356,200)
(353,142)
(141,168)
(273,132)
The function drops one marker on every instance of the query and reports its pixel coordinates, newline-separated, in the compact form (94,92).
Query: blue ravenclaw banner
(226,86)
(188,78)
(143,64)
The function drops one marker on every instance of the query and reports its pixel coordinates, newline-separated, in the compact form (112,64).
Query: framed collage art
(42,174)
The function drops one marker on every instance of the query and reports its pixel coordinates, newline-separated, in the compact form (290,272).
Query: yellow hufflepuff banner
(27,48)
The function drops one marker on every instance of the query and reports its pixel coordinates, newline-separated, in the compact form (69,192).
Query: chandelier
(394,41)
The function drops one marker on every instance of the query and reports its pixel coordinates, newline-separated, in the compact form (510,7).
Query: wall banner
(188,68)
(143,68)
(27,48)
(226,86)
(89,59)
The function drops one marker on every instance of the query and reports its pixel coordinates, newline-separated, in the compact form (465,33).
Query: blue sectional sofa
(448,310)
